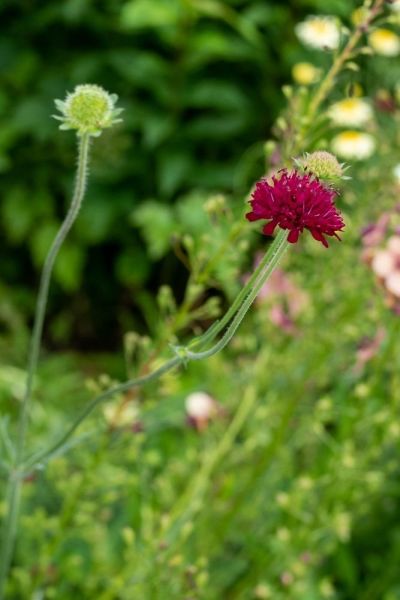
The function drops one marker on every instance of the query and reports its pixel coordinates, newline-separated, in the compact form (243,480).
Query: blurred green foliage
(292,490)
(200,83)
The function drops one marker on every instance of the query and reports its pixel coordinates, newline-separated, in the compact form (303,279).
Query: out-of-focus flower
(120,414)
(263,592)
(305,73)
(353,112)
(281,319)
(287,578)
(200,409)
(395,5)
(393,245)
(296,202)
(385,263)
(374,233)
(384,42)
(384,101)
(323,165)
(392,283)
(322,32)
(285,299)
(396,173)
(368,349)
(354,145)
(89,110)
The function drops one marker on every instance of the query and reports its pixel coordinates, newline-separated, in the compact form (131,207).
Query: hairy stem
(13,494)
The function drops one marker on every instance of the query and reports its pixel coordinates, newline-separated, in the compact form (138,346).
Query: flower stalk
(15,480)
(234,315)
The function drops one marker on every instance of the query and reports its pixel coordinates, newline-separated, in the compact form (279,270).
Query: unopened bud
(323,165)
(89,110)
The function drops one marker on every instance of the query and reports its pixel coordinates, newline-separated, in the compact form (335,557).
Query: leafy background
(200,82)
(292,490)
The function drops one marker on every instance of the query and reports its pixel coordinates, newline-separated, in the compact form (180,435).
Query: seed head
(89,110)
(322,165)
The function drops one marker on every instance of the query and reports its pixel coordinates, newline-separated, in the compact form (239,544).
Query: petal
(251,216)
(269,228)
(293,236)
(317,235)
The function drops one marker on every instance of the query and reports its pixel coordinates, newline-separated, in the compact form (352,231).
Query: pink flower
(385,263)
(368,348)
(285,299)
(374,233)
(296,202)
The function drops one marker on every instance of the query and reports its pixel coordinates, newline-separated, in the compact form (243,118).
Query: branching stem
(183,354)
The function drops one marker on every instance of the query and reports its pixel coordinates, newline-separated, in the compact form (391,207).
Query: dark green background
(200,83)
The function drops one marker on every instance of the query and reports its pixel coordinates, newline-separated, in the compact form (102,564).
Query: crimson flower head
(296,202)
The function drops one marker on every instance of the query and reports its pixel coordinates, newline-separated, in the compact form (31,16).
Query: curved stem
(16,476)
(89,408)
(45,284)
(277,250)
(219,325)
(184,355)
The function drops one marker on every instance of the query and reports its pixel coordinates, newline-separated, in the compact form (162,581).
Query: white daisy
(353,145)
(384,42)
(319,32)
(353,112)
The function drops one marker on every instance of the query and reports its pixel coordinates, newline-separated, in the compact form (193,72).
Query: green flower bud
(323,165)
(89,110)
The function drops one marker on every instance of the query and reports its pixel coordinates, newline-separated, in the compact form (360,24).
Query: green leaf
(173,167)
(139,14)
(133,266)
(69,262)
(69,266)
(157,225)
(17,213)
(218,94)
(95,219)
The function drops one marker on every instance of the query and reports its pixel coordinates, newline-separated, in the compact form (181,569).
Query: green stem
(13,496)
(45,455)
(184,355)
(219,325)
(277,251)
(192,500)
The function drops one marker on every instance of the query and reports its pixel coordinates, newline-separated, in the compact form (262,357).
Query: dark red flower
(296,202)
